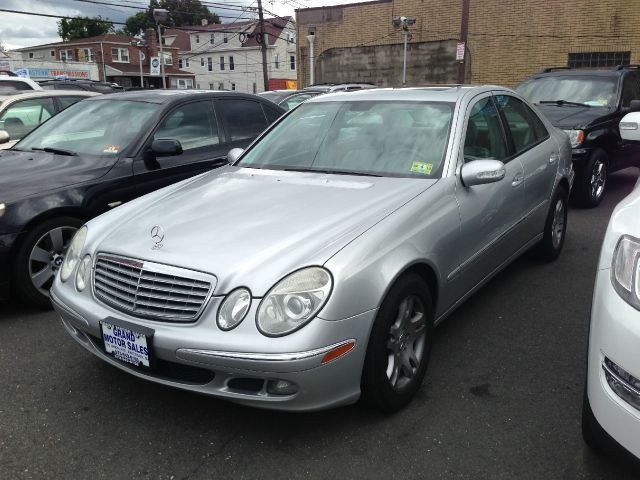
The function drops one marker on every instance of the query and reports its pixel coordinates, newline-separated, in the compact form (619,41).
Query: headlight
(294,301)
(73,254)
(83,269)
(625,270)
(576,137)
(234,308)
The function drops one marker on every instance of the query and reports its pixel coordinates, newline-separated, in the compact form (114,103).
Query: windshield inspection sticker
(422,167)
(111,149)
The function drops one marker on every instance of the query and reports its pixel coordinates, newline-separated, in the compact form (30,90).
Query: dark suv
(588,105)
(100,153)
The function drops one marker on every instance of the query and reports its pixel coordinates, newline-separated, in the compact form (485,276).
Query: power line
(19,12)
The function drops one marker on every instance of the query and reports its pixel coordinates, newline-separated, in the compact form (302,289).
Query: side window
(272,114)
(519,120)
(630,89)
(22,117)
(244,118)
(484,138)
(68,101)
(193,125)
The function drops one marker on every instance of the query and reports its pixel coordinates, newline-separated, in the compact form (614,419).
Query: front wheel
(591,180)
(399,345)
(555,227)
(40,256)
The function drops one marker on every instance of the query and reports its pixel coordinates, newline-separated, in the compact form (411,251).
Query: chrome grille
(151,290)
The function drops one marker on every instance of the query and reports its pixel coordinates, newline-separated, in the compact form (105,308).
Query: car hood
(250,227)
(23,174)
(572,117)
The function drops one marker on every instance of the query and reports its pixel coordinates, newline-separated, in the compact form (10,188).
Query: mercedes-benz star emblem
(157,234)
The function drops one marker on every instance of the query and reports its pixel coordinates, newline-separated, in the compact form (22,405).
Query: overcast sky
(26,30)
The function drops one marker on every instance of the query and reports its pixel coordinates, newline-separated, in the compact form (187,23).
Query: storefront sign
(55,72)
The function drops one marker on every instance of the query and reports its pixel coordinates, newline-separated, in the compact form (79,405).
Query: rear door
(196,126)
(539,154)
(490,214)
(244,119)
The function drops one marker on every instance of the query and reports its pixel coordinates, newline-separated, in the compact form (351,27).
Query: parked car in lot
(338,87)
(19,114)
(315,266)
(588,105)
(611,409)
(10,85)
(288,99)
(100,153)
(82,85)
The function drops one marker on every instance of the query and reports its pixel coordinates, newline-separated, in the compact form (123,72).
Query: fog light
(281,387)
(625,385)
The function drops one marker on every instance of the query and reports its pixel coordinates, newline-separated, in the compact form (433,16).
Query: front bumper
(239,364)
(614,340)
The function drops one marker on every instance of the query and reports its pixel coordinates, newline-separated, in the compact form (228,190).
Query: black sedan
(100,153)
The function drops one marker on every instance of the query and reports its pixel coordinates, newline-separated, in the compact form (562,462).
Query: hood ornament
(157,235)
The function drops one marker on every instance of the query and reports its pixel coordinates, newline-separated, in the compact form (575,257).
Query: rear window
(13,86)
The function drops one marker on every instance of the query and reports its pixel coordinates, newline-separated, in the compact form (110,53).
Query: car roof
(436,93)
(26,94)
(174,96)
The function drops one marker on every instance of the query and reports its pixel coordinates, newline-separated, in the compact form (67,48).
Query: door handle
(554,158)
(517,180)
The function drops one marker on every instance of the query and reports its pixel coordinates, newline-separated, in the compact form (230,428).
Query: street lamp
(404,23)
(312,38)
(141,57)
(160,15)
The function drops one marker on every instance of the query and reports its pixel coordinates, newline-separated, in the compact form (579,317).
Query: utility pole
(160,15)
(464,31)
(263,47)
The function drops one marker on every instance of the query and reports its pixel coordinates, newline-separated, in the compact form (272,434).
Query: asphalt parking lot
(502,398)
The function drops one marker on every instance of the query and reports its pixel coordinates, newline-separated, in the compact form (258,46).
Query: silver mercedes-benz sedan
(313,268)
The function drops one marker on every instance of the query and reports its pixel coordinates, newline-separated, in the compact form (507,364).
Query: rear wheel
(399,345)
(591,181)
(40,256)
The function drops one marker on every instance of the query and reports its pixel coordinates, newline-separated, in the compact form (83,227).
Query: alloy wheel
(406,342)
(598,179)
(47,257)
(557,227)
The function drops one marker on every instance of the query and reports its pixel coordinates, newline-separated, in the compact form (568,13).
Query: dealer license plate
(125,345)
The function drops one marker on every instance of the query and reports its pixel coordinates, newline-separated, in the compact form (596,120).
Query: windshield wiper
(563,102)
(58,151)
(332,172)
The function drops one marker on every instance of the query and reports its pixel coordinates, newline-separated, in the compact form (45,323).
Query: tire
(589,434)
(555,227)
(399,346)
(32,273)
(591,180)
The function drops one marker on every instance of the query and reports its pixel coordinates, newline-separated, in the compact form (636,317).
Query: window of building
(179,63)
(211,37)
(197,38)
(168,58)
(52,53)
(210,64)
(198,86)
(221,63)
(292,62)
(290,37)
(186,62)
(598,59)
(66,55)
(30,54)
(182,83)
(225,39)
(202,62)
(89,56)
(221,86)
(231,65)
(233,86)
(255,88)
(211,86)
(276,61)
(120,55)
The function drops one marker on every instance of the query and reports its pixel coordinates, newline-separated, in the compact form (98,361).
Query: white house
(227,56)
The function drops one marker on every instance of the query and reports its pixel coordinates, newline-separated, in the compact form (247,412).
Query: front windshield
(594,91)
(101,128)
(395,139)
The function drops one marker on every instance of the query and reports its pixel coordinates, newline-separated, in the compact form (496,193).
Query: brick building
(116,58)
(506,41)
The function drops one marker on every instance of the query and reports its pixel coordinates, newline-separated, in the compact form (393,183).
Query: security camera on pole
(141,57)
(404,23)
(160,15)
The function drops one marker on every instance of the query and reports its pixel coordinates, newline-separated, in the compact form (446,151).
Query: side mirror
(166,148)
(630,127)
(234,154)
(4,136)
(480,172)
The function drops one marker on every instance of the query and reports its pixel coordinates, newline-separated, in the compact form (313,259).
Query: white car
(10,85)
(611,410)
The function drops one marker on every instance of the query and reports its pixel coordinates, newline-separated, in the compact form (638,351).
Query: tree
(83,27)
(182,13)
